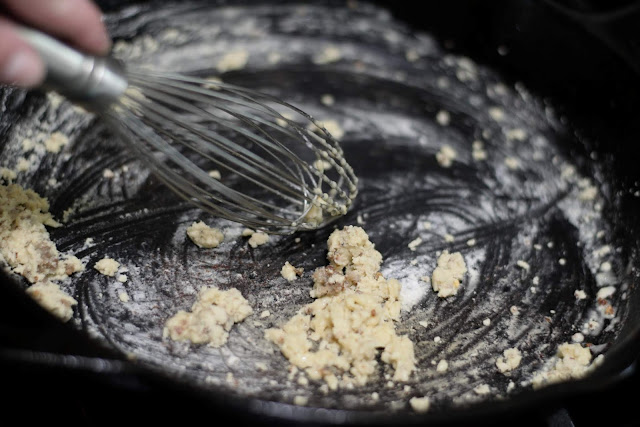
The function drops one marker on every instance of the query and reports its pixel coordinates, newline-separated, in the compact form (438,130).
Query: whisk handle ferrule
(94,82)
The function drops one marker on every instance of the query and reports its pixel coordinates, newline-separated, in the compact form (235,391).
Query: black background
(582,56)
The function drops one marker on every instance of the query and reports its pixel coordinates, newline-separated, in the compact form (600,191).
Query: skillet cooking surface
(389,86)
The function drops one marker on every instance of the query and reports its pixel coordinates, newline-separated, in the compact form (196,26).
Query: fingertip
(94,37)
(22,67)
(77,22)
(97,41)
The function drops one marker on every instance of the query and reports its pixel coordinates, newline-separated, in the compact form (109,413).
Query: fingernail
(23,68)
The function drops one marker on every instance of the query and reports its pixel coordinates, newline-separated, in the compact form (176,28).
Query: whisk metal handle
(94,82)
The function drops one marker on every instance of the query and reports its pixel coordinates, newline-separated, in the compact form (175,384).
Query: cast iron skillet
(387,100)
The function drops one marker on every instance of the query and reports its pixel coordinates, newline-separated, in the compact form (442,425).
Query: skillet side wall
(595,89)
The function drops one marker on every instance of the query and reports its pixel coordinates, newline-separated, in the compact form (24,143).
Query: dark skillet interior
(388,111)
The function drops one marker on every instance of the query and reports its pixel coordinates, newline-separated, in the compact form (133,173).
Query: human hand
(77,22)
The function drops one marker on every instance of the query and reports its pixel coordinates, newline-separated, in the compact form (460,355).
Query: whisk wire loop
(283,171)
(224,149)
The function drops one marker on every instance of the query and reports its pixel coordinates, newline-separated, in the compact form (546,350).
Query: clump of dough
(322,165)
(215,174)
(290,272)
(53,299)
(327,55)
(258,238)
(25,245)
(204,236)
(446,156)
(420,404)
(210,319)
(447,276)
(337,337)
(510,361)
(443,118)
(588,191)
(413,245)
(7,174)
(478,152)
(333,127)
(482,389)
(512,163)
(327,99)
(107,266)
(55,142)
(234,60)
(571,361)
(124,296)
(315,215)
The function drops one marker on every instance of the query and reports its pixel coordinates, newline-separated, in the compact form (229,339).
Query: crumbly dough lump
(571,361)
(28,250)
(290,272)
(337,337)
(53,299)
(204,236)
(510,361)
(210,319)
(446,156)
(107,266)
(447,276)
(256,238)
(420,404)
(315,216)
(55,142)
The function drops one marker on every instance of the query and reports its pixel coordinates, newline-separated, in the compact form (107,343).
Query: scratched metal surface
(389,85)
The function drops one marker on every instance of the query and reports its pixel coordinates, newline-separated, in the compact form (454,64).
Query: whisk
(281,170)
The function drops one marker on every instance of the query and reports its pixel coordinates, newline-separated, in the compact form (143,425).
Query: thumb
(20,65)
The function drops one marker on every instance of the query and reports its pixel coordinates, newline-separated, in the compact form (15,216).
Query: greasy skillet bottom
(388,87)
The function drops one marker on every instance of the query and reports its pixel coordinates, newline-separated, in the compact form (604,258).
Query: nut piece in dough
(337,338)
(107,266)
(210,319)
(290,272)
(204,236)
(448,274)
